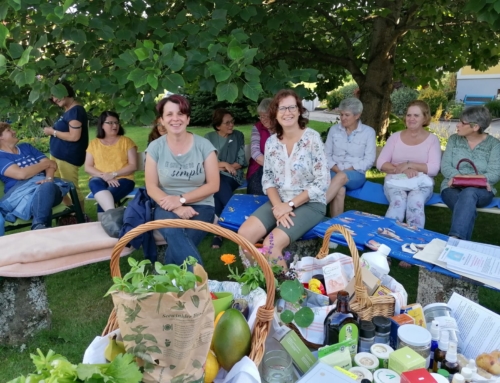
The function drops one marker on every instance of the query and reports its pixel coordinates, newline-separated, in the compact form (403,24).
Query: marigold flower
(228,259)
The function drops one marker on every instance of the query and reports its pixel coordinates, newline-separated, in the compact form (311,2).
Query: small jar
(417,338)
(366,360)
(362,373)
(366,335)
(436,310)
(382,352)
(382,329)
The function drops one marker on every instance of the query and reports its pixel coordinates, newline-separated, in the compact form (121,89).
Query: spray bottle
(440,352)
(434,341)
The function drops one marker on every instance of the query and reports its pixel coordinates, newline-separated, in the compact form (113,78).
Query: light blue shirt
(356,150)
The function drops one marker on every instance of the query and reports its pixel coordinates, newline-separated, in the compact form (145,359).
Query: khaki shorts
(306,217)
(68,172)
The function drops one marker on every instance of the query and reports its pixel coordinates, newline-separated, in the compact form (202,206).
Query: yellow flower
(228,259)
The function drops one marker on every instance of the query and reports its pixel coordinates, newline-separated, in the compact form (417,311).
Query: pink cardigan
(396,152)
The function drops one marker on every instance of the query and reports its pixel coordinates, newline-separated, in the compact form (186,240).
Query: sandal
(217,242)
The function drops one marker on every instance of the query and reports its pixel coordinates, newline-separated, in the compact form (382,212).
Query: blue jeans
(463,203)
(46,197)
(227,186)
(182,243)
(356,179)
(97,184)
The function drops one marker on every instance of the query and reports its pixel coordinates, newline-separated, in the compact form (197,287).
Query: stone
(24,309)
(435,287)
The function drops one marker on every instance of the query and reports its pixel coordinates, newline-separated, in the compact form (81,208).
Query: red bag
(474,181)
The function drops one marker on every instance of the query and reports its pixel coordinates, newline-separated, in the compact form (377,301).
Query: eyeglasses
(112,122)
(228,123)
(291,108)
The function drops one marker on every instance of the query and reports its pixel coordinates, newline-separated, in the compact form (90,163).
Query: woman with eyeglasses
(111,161)
(261,131)
(69,139)
(295,179)
(472,143)
(230,146)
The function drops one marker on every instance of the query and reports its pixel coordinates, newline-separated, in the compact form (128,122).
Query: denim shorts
(356,179)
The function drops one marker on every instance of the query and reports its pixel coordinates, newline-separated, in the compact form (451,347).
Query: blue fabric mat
(240,207)
(366,227)
(373,192)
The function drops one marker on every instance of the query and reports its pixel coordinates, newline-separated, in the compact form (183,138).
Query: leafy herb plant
(168,279)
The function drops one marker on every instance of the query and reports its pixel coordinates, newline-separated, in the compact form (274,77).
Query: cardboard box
(338,354)
(335,278)
(302,357)
(396,321)
(371,282)
(322,373)
(405,359)
(416,312)
(420,375)
(382,290)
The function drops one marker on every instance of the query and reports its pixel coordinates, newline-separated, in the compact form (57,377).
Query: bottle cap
(435,330)
(457,378)
(366,329)
(384,249)
(466,373)
(444,340)
(472,365)
(365,381)
(451,354)
(382,324)
(443,372)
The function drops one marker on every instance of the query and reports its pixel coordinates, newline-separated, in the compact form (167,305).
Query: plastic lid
(458,378)
(437,305)
(443,372)
(451,353)
(435,330)
(366,329)
(382,324)
(439,378)
(472,365)
(384,249)
(467,373)
(444,340)
(414,335)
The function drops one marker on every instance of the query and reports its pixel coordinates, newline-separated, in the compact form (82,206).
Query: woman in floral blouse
(295,178)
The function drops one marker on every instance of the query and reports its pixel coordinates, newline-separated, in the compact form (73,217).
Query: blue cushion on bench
(240,207)
(374,192)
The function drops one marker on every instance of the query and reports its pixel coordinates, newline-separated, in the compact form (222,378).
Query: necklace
(178,148)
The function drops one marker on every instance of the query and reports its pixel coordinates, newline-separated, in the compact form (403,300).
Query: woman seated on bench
(23,168)
(295,179)
(472,143)
(111,161)
(230,146)
(350,150)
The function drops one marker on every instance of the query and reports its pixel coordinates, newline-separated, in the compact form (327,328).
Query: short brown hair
(273,111)
(218,117)
(3,127)
(183,103)
(424,108)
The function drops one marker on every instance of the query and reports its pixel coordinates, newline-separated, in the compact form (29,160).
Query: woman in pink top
(410,152)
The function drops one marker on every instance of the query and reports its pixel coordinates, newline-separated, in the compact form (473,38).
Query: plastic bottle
(376,261)
(450,363)
(434,342)
(457,378)
(472,366)
(440,352)
(466,372)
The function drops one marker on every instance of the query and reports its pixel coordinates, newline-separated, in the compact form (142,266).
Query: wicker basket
(264,313)
(365,306)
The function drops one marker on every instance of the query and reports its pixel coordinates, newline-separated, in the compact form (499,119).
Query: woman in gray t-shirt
(182,176)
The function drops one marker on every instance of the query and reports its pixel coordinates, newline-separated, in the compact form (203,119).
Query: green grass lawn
(79,311)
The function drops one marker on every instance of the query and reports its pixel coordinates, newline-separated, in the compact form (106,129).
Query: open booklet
(468,259)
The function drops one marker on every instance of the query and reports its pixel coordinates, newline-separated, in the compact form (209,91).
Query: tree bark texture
(434,287)
(24,309)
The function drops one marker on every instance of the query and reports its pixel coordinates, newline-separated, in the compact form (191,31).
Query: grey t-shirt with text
(182,174)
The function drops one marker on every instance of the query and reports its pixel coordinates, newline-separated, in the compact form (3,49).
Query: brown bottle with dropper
(341,323)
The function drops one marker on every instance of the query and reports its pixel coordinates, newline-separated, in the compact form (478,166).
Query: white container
(366,360)
(439,378)
(376,261)
(362,373)
(385,375)
(381,352)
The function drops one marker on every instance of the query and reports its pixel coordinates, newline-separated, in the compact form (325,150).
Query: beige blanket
(43,252)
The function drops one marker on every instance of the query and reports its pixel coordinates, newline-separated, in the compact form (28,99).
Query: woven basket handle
(264,314)
(469,162)
(324,251)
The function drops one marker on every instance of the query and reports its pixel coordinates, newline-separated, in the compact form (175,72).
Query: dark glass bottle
(340,317)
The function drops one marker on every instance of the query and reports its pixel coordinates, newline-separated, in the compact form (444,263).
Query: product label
(350,332)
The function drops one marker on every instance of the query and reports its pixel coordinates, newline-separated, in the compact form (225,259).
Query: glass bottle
(341,323)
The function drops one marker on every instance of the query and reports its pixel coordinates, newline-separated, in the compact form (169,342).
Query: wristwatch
(182,200)
(114,174)
(291,204)
(48,178)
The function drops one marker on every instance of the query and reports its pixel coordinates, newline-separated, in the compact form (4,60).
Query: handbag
(112,221)
(474,181)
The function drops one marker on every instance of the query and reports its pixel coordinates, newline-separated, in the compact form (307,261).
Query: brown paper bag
(170,332)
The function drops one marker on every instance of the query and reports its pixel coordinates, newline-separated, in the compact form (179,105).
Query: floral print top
(305,169)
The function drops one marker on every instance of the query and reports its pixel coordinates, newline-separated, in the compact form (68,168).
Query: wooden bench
(475,99)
